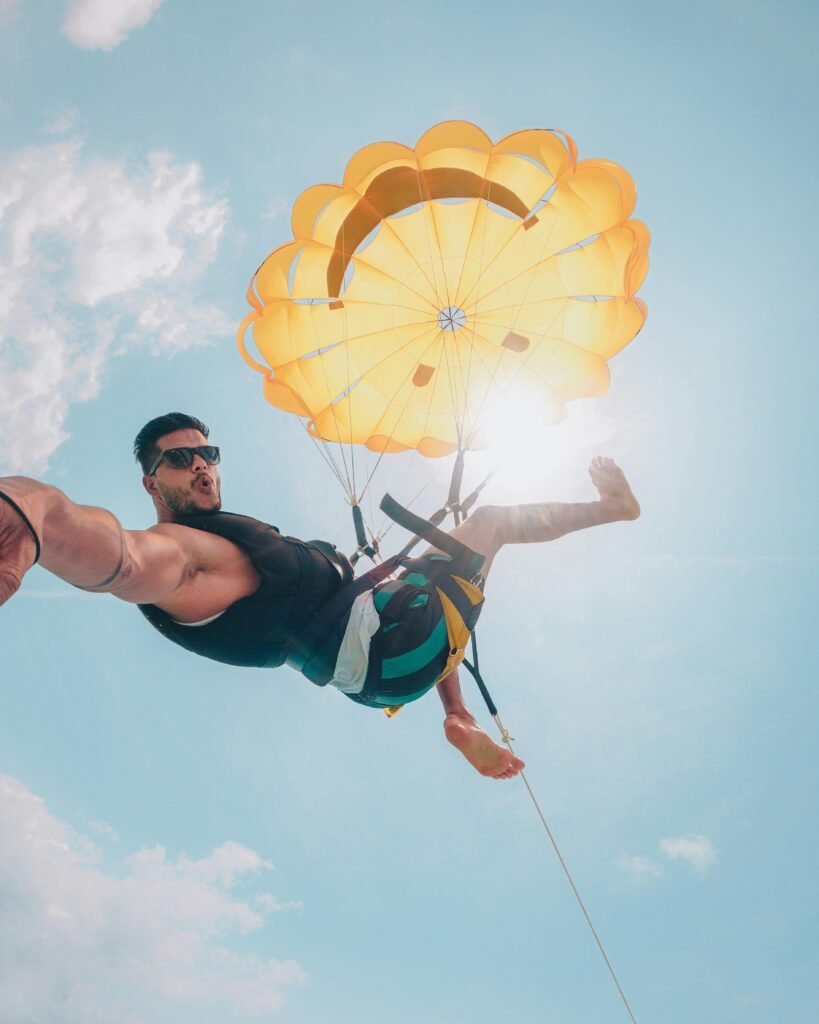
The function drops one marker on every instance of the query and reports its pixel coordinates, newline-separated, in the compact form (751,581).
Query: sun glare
(532,458)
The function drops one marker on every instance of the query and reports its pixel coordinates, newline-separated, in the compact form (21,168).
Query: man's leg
(486,532)
(490,527)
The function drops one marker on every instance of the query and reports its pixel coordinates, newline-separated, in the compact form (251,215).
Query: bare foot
(615,492)
(486,756)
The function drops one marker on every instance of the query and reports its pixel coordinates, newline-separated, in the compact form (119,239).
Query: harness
(300,611)
(401,672)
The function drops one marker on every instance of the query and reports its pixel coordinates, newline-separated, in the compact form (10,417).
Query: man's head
(178,489)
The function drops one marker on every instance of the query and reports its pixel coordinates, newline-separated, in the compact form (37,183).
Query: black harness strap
(466,561)
(305,654)
(364,546)
(302,598)
(453,500)
(475,671)
(27,521)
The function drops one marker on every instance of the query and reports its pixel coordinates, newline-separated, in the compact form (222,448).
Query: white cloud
(697,850)
(267,901)
(171,325)
(94,258)
(102,828)
(80,945)
(62,122)
(274,209)
(104,24)
(639,866)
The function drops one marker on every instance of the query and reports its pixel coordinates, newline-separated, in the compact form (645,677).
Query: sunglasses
(181,458)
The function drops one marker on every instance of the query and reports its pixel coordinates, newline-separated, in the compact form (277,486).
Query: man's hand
(17,551)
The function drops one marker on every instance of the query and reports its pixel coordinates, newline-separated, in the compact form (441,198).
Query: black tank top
(297,579)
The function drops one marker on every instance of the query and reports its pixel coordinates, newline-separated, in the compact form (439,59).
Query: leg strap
(27,521)
(466,561)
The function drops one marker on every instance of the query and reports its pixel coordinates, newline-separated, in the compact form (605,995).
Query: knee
(484,515)
(491,513)
(489,519)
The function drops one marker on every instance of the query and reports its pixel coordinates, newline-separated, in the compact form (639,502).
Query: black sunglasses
(181,458)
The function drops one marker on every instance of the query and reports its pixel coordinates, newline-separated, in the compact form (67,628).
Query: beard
(188,501)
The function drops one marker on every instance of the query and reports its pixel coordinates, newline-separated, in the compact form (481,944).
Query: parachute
(434,283)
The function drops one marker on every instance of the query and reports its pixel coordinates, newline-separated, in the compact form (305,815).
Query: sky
(183,841)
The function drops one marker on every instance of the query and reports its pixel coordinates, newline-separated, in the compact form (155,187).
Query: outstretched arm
(83,545)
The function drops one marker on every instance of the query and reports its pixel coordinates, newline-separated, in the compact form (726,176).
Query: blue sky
(182,841)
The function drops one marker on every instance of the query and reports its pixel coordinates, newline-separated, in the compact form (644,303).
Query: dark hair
(145,446)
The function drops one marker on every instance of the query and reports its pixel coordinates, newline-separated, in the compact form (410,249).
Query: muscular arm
(86,546)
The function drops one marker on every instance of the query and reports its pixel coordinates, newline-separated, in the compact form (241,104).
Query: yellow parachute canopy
(438,280)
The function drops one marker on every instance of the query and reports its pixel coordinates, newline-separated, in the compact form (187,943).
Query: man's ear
(149,483)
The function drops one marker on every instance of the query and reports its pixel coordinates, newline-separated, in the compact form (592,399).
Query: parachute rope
(348,475)
(506,739)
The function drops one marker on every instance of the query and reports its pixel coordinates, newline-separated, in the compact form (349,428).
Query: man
(233,589)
